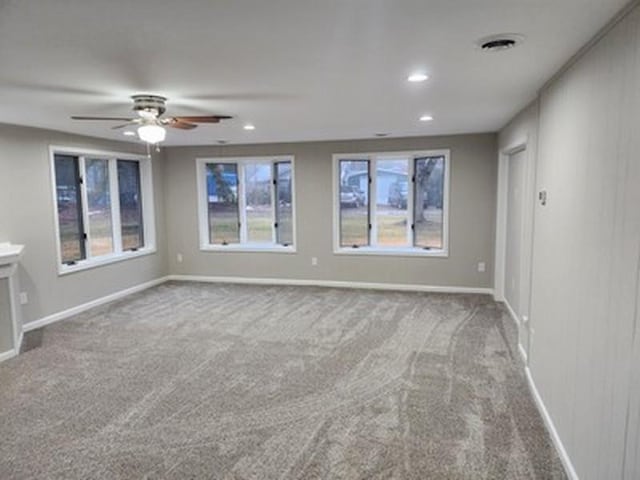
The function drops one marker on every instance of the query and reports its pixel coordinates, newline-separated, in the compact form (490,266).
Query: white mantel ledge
(10,255)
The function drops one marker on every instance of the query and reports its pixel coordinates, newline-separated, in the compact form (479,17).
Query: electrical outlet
(314,261)
(179,257)
(542,196)
(24,298)
(482,267)
(525,319)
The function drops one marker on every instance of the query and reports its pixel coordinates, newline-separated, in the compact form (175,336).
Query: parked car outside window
(350,196)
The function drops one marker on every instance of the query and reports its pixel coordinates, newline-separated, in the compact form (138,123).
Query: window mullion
(242,204)
(148,212)
(373,207)
(411,192)
(86,230)
(114,195)
(274,203)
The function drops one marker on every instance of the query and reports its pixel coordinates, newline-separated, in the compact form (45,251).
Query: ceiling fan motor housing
(149,103)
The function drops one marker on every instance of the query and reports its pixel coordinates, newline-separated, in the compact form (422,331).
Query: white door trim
(526,259)
(501,213)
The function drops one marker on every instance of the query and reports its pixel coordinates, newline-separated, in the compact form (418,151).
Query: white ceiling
(297,69)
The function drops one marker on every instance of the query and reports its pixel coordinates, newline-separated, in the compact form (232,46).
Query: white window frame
(148,210)
(373,249)
(244,245)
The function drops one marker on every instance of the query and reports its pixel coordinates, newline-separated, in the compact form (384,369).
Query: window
(104,207)
(354,203)
(100,225)
(129,186)
(222,199)
(392,203)
(246,204)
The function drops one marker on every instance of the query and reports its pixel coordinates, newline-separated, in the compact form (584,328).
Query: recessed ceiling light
(248,126)
(222,142)
(426,118)
(381,134)
(418,77)
(129,133)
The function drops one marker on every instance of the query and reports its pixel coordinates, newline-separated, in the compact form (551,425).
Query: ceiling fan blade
(178,122)
(204,118)
(114,119)
(128,124)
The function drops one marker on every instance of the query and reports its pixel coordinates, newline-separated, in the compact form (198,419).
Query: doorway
(514,235)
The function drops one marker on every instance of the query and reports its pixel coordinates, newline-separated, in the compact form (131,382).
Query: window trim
(243,246)
(409,251)
(148,207)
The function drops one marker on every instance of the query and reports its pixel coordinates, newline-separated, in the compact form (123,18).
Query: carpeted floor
(190,381)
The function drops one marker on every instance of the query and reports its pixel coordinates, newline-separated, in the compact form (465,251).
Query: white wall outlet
(482,267)
(314,261)
(179,257)
(24,298)
(542,196)
(525,319)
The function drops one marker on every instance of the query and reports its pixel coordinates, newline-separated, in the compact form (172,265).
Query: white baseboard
(516,320)
(20,339)
(555,437)
(332,284)
(7,355)
(249,281)
(512,312)
(93,303)
(523,353)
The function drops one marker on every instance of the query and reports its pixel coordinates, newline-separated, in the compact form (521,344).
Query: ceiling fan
(151,127)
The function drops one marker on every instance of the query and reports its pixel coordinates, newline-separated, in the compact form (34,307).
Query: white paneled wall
(632,452)
(584,354)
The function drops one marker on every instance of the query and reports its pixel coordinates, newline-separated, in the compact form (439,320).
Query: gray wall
(584,355)
(471,230)
(26,217)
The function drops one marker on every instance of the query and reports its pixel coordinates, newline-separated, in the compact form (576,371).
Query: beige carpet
(190,381)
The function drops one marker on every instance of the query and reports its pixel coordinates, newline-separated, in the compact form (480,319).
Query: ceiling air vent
(499,43)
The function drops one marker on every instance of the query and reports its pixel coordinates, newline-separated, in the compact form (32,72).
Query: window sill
(105,260)
(248,248)
(392,252)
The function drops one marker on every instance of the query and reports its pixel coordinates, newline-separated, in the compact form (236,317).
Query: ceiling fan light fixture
(148,114)
(152,133)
